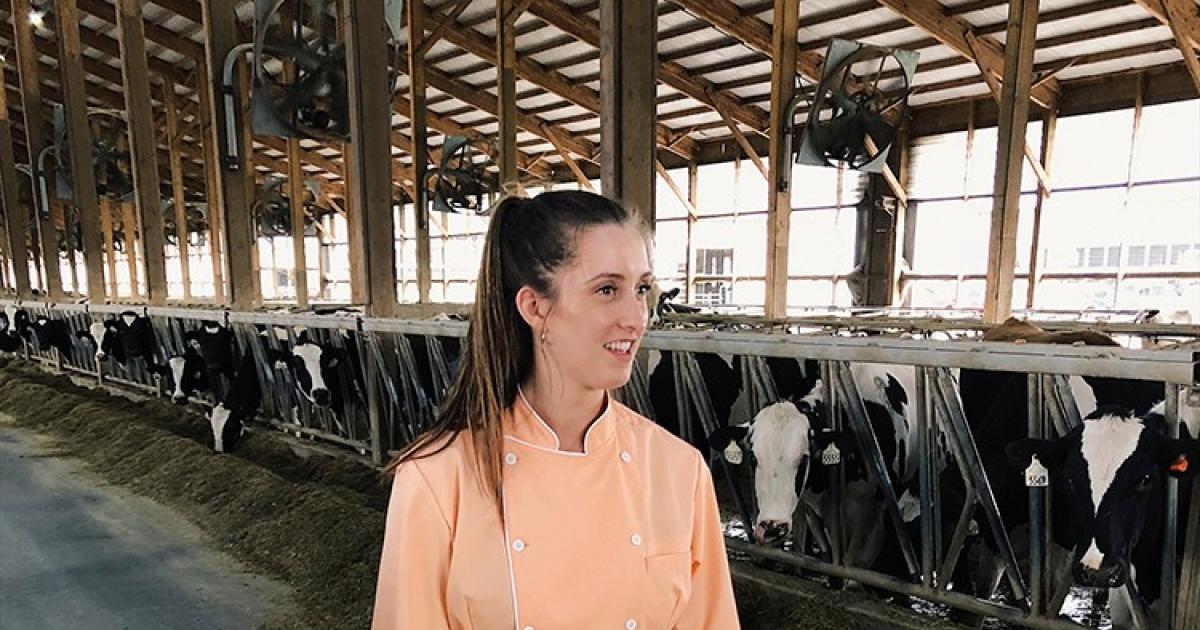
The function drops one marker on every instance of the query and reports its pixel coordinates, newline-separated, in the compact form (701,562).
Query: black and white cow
(51,333)
(790,440)
(1107,474)
(239,405)
(184,374)
(721,382)
(135,334)
(320,371)
(15,323)
(104,340)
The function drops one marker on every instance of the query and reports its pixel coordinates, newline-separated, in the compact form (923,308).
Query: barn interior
(846,181)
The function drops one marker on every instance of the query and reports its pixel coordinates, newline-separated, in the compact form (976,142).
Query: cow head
(184,374)
(103,336)
(227,426)
(782,437)
(313,365)
(1106,472)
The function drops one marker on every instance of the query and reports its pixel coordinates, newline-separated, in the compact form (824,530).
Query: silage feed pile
(314,523)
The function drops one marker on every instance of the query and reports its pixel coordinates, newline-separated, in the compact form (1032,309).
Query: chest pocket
(669,584)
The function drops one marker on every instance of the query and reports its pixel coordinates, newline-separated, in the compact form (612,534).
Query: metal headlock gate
(940,419)
(387,405)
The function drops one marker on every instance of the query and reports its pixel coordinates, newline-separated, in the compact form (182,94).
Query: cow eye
(1146,481)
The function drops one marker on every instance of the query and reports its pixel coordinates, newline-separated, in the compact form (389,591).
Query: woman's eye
(643,289)
(607,290)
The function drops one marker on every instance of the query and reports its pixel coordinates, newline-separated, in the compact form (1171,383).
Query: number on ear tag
(831,456)
(1036,476)
(733,453)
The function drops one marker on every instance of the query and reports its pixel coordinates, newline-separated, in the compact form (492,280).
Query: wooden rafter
(1181,16)
(955,32)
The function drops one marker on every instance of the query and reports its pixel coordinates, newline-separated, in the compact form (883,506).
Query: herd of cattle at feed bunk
(1107,475)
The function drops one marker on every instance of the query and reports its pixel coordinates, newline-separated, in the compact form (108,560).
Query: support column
(506,91)
(220,36)
(295,179)
(628,59)
(143,146)
(1014,115)
(370,145)
(16,214)
(779,200)
(420,146)
(212,185)
(79,136)
(1049,126)
(689,266)
(174,149)
(35,124)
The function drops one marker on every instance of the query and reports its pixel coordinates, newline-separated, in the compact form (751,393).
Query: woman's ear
(533,308)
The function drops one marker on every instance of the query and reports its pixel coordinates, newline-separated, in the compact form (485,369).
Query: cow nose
(321,397)
(178,399)
(1107,576)
(772,533)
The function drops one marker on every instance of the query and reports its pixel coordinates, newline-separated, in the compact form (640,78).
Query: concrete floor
(77,553)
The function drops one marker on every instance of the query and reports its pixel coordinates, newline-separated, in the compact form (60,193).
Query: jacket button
(519,544)
(625,456)
(630,624)
(636,540)
(510,459)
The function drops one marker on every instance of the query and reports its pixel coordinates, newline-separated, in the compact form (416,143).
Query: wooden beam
(106,232)
(156,33)
(130,227)
(747,148)
(1049,128)
(295,180)
(587,30)
(439,31)
(506,91)
(996,90)
(175,151)
(531,70)
(212,182)
(16,213)
(35,123)
(143,144)
(627,118)
(1014,116)
(689,265)
(486,102)
(370,126)
(1181,16)
(420,151)
(784,60)
(572,164)
(231,192)
(683,197)
(953,31)
(79,136)
(1183,13)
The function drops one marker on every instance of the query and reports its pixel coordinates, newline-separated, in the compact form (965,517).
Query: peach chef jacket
(625,535)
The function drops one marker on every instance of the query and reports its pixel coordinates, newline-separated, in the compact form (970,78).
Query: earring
(543,337)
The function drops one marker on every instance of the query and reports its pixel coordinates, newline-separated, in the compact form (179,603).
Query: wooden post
(779,200)
(370,145)
(1123,217)
(35,124)
(1014,115)
(1049,126)
(295,178)
(628,58)
(420,148)
(106,232)
(174,150)
(79,136)
(129,221)
(220,36)
(690,262)
(143,146)
(212,186)
(16,214)
(506,91)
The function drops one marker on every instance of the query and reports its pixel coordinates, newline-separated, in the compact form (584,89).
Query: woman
(538,501)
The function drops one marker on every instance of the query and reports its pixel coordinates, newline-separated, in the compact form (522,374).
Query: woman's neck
(568,410)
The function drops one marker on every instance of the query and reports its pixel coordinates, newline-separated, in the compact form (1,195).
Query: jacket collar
(523,424)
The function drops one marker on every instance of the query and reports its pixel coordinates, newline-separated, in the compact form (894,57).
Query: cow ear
(1021,453)
(721,438)
(1180,456)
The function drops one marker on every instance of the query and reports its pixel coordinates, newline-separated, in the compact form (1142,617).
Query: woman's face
(595,322)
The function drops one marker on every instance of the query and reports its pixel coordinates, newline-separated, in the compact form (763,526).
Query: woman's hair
(527,241)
